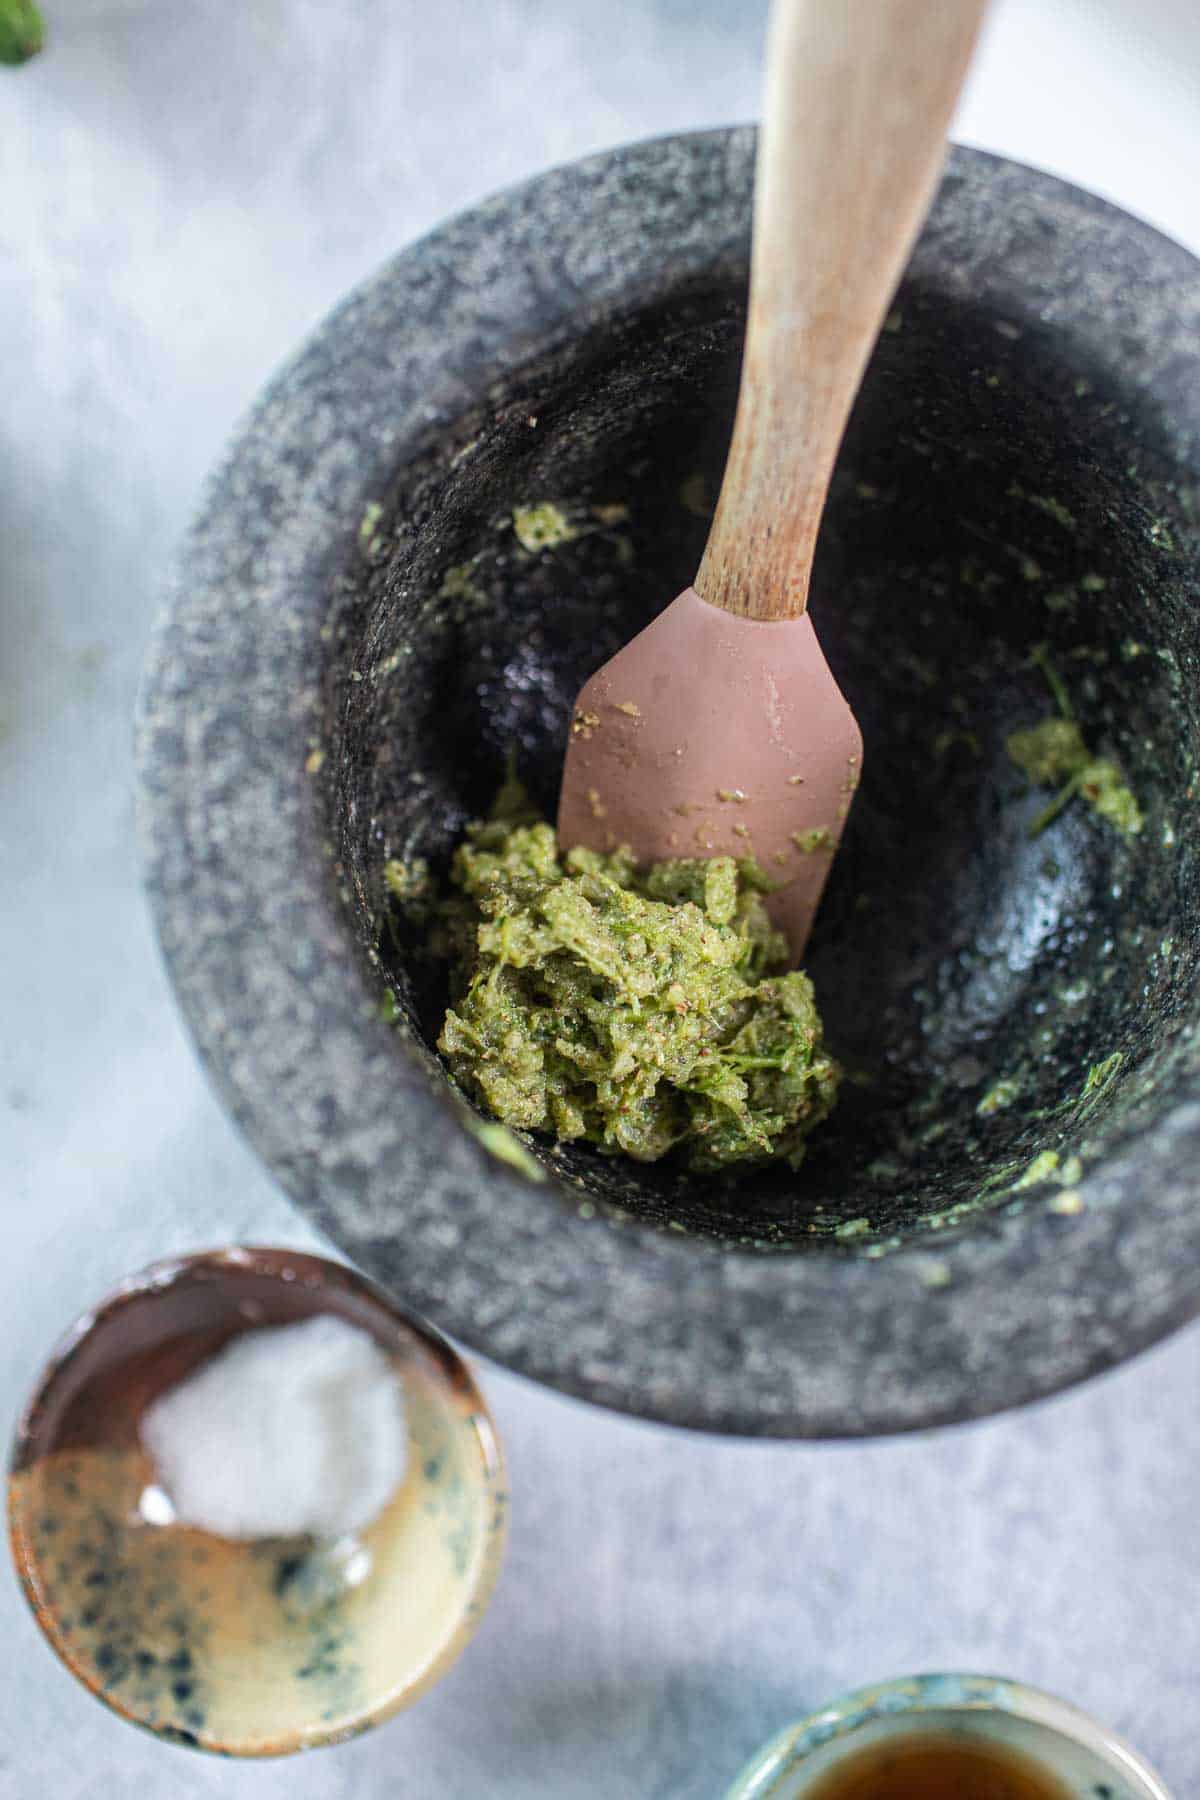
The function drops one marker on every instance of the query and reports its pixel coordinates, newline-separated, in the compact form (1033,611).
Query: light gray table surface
(185,187)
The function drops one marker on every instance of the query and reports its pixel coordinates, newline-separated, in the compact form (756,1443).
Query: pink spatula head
(711,735)
(720,729)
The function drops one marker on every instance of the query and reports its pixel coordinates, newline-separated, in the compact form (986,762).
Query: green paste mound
(646,1011)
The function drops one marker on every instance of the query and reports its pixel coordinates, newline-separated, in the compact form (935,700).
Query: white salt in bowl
(254,1645)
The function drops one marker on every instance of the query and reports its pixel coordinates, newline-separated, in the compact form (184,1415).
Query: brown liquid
(938,1767)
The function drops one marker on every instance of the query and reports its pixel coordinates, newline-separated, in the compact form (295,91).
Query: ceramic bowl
(1089,1762)
(261,1648)
(359,636)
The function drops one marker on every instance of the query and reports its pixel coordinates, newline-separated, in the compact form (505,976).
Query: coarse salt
(290,1430)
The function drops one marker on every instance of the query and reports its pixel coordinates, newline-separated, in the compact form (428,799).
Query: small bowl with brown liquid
(948,1737)
(265,1645)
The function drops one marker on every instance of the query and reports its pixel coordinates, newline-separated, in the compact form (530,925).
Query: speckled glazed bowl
(274,1645)
(1006,1199)
(1088,1761)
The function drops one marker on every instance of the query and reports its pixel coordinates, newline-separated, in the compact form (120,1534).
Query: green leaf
(21,31)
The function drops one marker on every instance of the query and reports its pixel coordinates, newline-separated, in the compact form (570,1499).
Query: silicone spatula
(720,730)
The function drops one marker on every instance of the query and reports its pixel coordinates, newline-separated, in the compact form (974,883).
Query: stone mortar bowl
(357,640)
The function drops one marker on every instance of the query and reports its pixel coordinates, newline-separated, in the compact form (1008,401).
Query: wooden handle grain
(859,96)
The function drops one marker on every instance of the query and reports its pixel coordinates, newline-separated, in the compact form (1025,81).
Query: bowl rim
(245,895)
(322,1273)
(909,1696)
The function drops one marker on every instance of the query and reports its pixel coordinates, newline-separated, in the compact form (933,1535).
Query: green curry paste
(646,1011)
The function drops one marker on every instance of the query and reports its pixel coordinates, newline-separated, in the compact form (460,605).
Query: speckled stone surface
(263,900)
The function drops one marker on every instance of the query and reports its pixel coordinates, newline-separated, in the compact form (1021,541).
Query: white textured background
(185,187)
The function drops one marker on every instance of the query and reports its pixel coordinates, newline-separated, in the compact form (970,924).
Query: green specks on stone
(1055,510)
(1047,752)
(1000,1177)
(1093,583)
(1045,503)
(458,583)
(853,1228)
(542,526)
(1042,1168)
(1110,798)
(946,1217)
(368,526)
(508,1148)
(1071,1172)
(1041,658)
(1055,752)
(389,1008)
(1069,1203)
(1100,1077)
(407,880)
(999,1096)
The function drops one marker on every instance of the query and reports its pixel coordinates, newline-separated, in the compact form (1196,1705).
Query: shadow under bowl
(1005,1199)
(270,1646)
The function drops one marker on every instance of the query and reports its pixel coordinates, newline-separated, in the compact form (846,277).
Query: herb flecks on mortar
(1054,754)
(645,1011)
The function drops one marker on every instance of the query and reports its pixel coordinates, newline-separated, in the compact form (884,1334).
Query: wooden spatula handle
(859,95)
